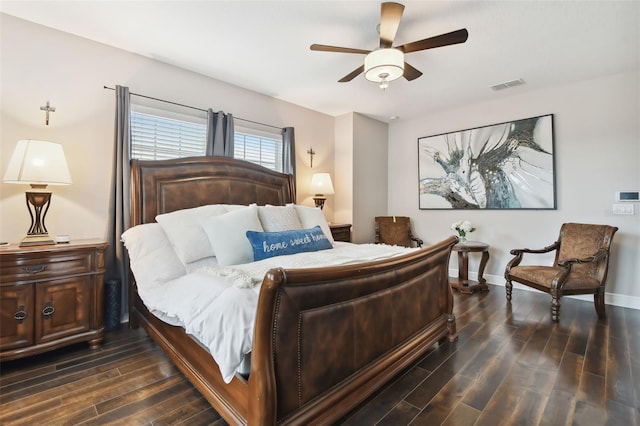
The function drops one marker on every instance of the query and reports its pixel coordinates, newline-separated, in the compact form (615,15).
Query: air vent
(508,84)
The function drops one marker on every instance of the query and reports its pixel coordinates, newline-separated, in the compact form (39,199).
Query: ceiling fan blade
(325,48)
(410,73)
(454,37)
(390,15)
(353,74)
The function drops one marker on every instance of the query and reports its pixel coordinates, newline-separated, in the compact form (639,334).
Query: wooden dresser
(51,296)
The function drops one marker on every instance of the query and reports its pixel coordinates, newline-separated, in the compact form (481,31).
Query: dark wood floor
(511,366)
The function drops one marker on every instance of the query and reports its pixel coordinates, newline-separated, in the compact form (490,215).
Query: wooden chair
(580,266)
(395,230)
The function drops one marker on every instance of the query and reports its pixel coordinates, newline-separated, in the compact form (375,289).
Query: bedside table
(341,232)
(51,296)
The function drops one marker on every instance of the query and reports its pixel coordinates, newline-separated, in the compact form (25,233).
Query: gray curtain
(219,133)
(289,152)
(117,262)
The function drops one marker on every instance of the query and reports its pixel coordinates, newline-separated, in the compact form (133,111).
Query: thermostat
(628,196)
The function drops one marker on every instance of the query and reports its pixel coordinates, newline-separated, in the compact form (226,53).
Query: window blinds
(265,151)
(154,137)
(162,138)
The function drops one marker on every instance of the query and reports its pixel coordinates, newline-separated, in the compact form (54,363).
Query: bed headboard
(168,185)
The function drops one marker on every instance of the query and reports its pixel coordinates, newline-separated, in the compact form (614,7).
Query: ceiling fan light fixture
(384,83)
(384,65)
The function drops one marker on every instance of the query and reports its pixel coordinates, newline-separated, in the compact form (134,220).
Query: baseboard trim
(614,299)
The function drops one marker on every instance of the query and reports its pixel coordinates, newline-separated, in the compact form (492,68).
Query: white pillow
(185,232)
(313,216)
(151,256)
(205,262)
(228,235)
(278,218)
(232,207)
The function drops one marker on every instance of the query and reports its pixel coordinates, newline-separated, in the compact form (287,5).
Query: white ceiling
(264,45)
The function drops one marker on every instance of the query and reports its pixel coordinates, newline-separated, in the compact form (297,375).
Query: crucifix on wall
(47,108)
(311,153)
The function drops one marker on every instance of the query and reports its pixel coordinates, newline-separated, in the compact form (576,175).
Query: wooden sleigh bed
(325,338)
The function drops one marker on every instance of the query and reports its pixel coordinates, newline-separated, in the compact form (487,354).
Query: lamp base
(319,201)
(37,240)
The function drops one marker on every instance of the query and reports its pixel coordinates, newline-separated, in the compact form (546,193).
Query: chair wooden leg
(509,287)
(598,299)
(555,308)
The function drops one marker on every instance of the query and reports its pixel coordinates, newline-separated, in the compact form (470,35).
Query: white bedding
(217,305)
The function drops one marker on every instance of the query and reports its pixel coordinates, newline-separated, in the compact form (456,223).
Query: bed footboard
(327,338)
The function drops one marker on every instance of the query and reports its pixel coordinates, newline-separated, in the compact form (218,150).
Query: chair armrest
(418,241)
(590,259)
(566,264)
(518,253)
(547,249)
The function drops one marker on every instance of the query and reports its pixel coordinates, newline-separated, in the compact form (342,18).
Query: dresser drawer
(24,269)
(341,232)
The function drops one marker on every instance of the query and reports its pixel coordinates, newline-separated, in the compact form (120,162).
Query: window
(161,138)
(262,149)
(162,135)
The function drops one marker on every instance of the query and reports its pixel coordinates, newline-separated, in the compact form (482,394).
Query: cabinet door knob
(48,309)
(21,314)
(34,269)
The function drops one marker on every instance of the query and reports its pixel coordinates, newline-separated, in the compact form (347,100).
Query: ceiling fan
(387,63)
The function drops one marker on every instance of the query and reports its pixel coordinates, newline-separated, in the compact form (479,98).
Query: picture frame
(508,165)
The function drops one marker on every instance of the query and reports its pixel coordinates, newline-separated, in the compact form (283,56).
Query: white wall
(597,152)
(344,168)
(370,140)
(361,173)
(40,64)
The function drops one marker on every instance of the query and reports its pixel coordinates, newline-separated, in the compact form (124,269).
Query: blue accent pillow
(270,244)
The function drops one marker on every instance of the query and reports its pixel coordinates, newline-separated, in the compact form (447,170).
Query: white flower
(466,226)
(462,227)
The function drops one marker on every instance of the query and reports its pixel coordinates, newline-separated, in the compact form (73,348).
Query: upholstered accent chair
(580,266)
(395,230)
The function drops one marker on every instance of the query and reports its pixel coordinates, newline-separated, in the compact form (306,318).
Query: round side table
(463,284)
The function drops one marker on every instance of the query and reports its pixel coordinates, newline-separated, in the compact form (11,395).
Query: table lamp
(38,163)
(321,185)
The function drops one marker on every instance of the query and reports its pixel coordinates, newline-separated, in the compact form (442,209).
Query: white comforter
(218,305)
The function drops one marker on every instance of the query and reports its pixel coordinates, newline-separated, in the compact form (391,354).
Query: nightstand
(341,232)
(51,296)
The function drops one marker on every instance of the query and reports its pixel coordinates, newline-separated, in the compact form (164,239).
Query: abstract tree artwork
(503,166)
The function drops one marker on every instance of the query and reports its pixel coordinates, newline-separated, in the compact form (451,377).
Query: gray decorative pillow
(279,218)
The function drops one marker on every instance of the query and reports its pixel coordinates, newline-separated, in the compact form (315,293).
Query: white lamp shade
(38,162)
(384,64)
(321,184)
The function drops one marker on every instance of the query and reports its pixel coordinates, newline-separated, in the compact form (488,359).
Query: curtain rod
(196,108)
